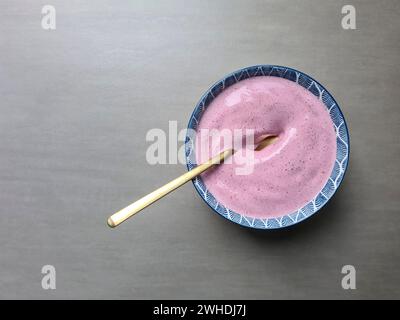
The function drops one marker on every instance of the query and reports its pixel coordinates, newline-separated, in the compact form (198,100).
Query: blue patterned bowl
(342,153)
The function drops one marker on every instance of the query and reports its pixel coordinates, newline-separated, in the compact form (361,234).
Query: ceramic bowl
(342,152)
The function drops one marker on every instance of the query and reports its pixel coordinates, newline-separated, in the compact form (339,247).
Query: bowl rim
(245,221)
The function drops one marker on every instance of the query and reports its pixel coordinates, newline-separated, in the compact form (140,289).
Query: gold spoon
(127,212)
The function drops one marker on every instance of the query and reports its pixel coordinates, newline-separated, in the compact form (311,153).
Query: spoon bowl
(342,152)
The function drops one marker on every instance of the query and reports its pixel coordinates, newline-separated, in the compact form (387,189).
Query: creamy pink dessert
(285,175)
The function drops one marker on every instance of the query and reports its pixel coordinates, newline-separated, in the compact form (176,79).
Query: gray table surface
(76,104)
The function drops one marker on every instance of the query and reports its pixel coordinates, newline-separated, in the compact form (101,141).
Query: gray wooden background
(76,104)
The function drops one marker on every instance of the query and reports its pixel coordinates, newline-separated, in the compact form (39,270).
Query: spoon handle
(147,200)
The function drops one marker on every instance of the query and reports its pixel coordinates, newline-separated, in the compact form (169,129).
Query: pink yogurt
(287,174)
